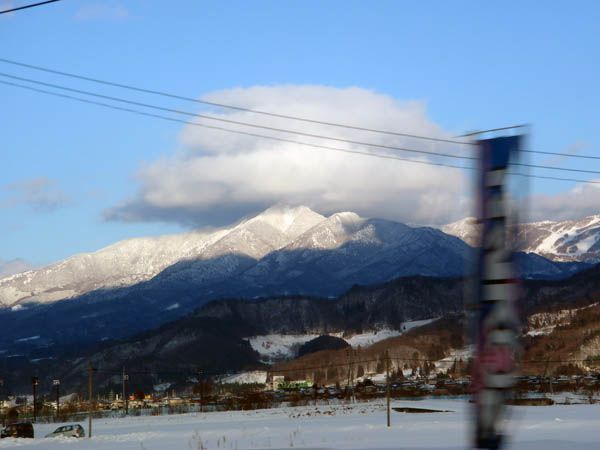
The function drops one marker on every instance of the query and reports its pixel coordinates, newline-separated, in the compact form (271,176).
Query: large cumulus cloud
(214,177)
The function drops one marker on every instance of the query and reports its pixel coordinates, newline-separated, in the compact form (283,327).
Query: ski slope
(356,426)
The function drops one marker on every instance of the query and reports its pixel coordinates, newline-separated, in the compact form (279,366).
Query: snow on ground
(30,338)
(254,376)
(455,355)
(355,426)
(545,322)
(280,346)
(370,338)
(366,339)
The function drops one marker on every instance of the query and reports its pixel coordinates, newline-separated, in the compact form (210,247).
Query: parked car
(18,430)
(68,431)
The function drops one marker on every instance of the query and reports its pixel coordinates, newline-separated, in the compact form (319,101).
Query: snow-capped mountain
(465,229)
(282,250)
(347,249)
(134,260)
(141,284)
(569,240)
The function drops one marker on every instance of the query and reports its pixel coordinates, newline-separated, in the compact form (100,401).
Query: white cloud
(14,266)
(6,5)
(216,177)
(581,201)
(40,194)
(102,11)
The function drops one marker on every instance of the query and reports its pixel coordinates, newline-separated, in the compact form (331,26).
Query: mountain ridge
(131,261)
(562,241)
(264,239)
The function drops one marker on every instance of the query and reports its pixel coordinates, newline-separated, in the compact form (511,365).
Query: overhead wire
(31,5)
(275,138)
(232,107)
(291,117)
(235,122)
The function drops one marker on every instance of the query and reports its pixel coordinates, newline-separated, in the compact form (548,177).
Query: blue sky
(473,65)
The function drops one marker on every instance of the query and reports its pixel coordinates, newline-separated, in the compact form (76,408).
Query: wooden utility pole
(34,383)
(201,381)
(387,389)
(125,399)
(90,394)
(56,384)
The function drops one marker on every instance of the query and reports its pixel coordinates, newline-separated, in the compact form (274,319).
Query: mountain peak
(465,229)
(290,220)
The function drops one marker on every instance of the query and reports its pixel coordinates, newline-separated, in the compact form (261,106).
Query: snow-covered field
(356,426)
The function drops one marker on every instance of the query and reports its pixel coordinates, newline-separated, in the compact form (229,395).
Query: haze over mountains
(14,266)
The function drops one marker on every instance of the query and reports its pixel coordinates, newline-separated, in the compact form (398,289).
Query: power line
(567,155)
(238,108)
(303,119)
(245,133)
(274,138)
(491,130)
(564,169)
(28,6)
(282,130)
(285,116)
(235,122)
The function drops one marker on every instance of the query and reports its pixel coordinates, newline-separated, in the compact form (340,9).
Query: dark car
(17,430)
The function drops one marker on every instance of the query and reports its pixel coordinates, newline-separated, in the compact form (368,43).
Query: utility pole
(90,394)
(125,400)
(549,376)
(56,383)
(350,374)
(201,381)
(387,389)
(34,383)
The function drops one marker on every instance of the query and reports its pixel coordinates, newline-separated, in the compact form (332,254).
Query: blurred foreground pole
(496,324)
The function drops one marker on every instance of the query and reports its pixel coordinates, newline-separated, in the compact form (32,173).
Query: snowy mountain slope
(347,249)
(465,229)
(569,240)
(134,260)
(283,251)
(73,330)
